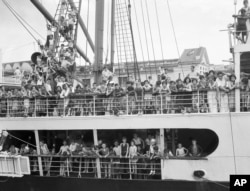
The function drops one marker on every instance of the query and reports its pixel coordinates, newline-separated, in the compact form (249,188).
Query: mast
(112,56)
(50,18)
(99,31)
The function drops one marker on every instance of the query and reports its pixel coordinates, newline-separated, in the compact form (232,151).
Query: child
(166,99)
(133,160)
(181,151)
(64,152)
(124,155)
(104,153)
(156,93)
(131,97)
(147,89)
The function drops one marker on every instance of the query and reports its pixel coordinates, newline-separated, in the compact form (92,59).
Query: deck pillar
(40,166)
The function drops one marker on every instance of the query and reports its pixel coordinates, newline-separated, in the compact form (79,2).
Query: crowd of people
(137,158)
(212,92)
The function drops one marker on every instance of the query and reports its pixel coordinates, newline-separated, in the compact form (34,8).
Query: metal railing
(100,105)
(114,167)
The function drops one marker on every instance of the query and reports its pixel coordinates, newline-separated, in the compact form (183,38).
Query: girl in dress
(45,151)
(187,98)
(133,160)
(212,95)
(166,100)
(64,153)
(104,153)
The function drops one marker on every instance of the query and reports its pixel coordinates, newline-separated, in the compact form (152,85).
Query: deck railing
(99,105)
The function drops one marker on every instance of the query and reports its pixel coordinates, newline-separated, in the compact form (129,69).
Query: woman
(187,97)
(223,91)
(212,95)
(133,160)
(45,151)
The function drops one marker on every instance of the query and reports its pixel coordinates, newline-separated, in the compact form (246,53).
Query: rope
(21,140)
(138,29)
(87,31)
(145,36)
(231,127)
(21,20)
(175,38)
(151,37)
(158,23)
(106,59)
(123,24)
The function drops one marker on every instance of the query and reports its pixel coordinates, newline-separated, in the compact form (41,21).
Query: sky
(196,23)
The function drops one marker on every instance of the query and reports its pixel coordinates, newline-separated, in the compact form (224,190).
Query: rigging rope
(138,29)
(146,40)
(121,25)
(151,37)
(21,140)
(8,6)
(87,31)
(158,24)
(176,42)
(21,18)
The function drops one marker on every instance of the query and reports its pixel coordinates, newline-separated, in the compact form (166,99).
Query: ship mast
(99,32)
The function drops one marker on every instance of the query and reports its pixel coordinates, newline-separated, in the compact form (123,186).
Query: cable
(231,126)
(176,42)
(138,29)
(87,31)
(21,140)
(22,21)
(146,40)
(151,37)
(158,23)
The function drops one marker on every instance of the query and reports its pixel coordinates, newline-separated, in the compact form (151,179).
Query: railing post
(40,166)
(198,106)
(94,106)
(237,73)
(63,107)
(162,105)
(8,108)
(127,104)
(98,165)
(35,107)
(162,148)
(47,106)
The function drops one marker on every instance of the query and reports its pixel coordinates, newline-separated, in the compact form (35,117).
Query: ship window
(206,139)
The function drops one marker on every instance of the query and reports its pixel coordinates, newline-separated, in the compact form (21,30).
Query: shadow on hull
(30,183)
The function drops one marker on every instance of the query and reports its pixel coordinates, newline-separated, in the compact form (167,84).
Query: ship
(223,136)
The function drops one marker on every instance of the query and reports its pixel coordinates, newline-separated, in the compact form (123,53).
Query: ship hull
(35,183)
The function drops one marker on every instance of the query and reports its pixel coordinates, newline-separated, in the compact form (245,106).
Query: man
(106,74)
(193,74)
(195,150)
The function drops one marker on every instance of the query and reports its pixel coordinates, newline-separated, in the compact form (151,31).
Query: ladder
(67,11)
(126,53)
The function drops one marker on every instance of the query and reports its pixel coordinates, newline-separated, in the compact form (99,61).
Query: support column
(40,166)
(237,74)
(162,148)
(98,165)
